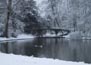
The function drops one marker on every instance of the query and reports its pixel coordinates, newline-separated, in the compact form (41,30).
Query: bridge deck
(51,29)
(56,30)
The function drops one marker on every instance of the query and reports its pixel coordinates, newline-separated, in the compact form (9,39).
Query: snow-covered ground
(25,36)
(78,35)
(10,59)
(74,35)
(19,37)
(49,35)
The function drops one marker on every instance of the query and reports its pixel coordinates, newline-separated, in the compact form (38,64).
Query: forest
(21,16)
(45,32)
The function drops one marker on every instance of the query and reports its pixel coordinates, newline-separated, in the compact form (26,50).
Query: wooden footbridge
(40,30)
(55,31)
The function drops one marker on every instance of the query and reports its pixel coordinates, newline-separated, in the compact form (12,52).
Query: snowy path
(10,59)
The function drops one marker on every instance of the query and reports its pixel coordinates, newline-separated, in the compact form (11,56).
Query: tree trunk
(7,18)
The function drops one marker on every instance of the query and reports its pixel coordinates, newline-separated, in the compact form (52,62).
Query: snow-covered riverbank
(10,59)
(73,35)
(78,36)
(19,37)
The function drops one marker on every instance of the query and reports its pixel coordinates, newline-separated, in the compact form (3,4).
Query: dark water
(57,48)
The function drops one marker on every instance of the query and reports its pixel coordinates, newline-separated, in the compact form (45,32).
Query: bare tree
(53,4)
(9,3)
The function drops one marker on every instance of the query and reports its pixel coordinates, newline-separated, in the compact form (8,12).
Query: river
(56,48)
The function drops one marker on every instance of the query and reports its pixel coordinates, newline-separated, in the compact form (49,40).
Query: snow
(38,1)
(19,37)
(25,36)
(49,35)
(10,59)
(78,35)
(74,35)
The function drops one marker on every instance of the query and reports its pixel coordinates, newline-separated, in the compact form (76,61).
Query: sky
(41,7)
(38,1)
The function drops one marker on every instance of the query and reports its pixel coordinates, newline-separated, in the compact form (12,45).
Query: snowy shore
(19,37)
(73,35)
(10,59)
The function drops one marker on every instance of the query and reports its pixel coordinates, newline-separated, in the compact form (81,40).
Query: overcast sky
(38,1)
(41,7)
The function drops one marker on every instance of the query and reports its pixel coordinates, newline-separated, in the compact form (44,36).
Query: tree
(27,12)
(52,11)
(8,18)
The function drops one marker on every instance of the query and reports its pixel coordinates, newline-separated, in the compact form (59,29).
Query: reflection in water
(57,48)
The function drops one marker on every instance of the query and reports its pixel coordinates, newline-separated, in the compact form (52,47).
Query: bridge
(40,30)
(55,30)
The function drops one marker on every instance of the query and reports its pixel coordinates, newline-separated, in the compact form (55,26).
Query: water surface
(56,48)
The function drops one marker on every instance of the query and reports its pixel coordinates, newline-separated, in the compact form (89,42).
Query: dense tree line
(21,17)
(24,15)
(74,15)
